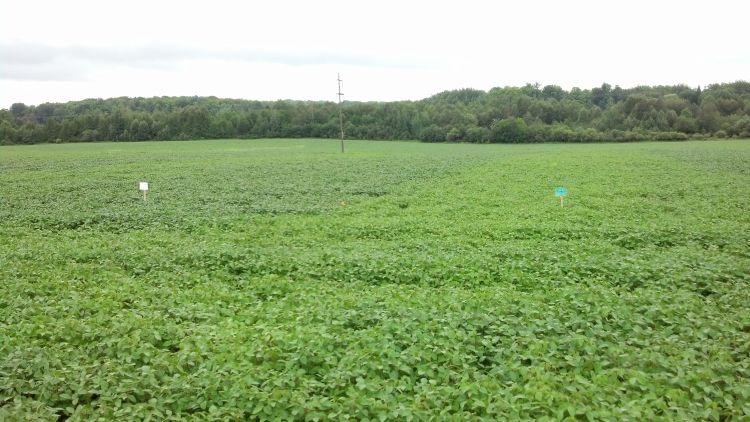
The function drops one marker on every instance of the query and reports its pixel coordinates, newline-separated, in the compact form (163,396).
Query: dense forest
(512,114)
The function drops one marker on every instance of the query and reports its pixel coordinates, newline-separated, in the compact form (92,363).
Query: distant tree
(7,134)
(580,96)
(432,133)
(531,90)
(553,92)
(509,114)
(139,130)
(741,127)
(600,96)
(478,134)
(18,110)
(44,112)
(618,94)
(689,95)
(508,130)
(686,123)
(454,134)
(709,117)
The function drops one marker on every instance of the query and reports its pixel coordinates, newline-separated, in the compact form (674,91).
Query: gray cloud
(26,61)
(48,72)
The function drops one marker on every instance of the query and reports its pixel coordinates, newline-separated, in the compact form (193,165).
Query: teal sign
(561,191)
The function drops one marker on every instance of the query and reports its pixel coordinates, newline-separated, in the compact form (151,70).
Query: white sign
(143,186)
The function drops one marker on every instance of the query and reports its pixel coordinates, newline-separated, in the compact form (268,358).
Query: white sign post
(143,186)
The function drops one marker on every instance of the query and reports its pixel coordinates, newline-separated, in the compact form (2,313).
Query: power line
(341,112)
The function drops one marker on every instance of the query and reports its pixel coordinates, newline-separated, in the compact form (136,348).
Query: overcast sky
(53,50)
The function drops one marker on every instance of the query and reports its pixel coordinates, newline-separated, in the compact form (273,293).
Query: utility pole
(341,113)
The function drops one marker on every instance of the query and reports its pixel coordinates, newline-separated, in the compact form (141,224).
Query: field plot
(285,280)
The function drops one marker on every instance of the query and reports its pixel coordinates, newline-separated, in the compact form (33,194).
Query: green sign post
(561,192)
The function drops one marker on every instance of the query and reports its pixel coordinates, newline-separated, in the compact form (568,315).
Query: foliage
(283,280)
(508,130)
(510,114)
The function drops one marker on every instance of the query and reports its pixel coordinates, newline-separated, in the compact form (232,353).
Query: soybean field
(284,280)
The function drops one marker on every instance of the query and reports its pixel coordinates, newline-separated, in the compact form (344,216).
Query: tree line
(501,115)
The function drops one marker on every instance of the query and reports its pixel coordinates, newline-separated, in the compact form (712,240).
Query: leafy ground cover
(285,280)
